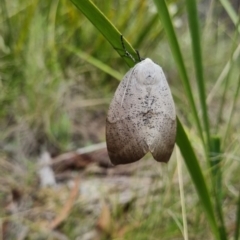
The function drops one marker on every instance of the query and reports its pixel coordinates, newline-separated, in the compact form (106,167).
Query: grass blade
(196,175)
(237,232)
(197,57)
(216,171)
(213,143)
(95,62)
(144,32)
(215,160)
(182,197)
(227,82)
(172,39)
(231,12)
(233,107)
(223,74)
(107,29)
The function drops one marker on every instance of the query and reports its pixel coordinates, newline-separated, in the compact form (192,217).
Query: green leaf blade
(173,42)
(107,29)
(197,57)
(196,175)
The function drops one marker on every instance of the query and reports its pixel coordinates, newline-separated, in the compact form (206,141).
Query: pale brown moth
(142,116)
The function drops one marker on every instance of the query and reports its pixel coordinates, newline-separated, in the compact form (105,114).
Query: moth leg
(138,54)
(121,55)
(128,54)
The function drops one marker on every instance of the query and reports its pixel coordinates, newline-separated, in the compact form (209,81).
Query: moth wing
(164,141)
(124,142)
(164,120)
(124,146)
(165,101)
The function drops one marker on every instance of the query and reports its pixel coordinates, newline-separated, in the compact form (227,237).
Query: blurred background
(57,77)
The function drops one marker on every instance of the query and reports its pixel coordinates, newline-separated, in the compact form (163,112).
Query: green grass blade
(212,143)
(197,57)
(223,74)
(144,32)
(8,25)
(216,171)
(223,99)
(231,12)
(173,42)
(196,175)
(233,107)
(215,160)
(107,29)
(95,62)
(237,231)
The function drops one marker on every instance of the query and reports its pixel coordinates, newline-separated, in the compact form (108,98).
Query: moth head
(147,72)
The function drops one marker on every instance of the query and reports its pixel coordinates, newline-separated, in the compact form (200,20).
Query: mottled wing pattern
(141,116)
(124,142)
(163,144)
(124,145)
(164,120)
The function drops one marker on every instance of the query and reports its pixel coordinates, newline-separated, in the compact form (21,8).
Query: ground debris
(46,174)
(92,193)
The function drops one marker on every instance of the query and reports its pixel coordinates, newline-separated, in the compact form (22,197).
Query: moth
(141,116)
